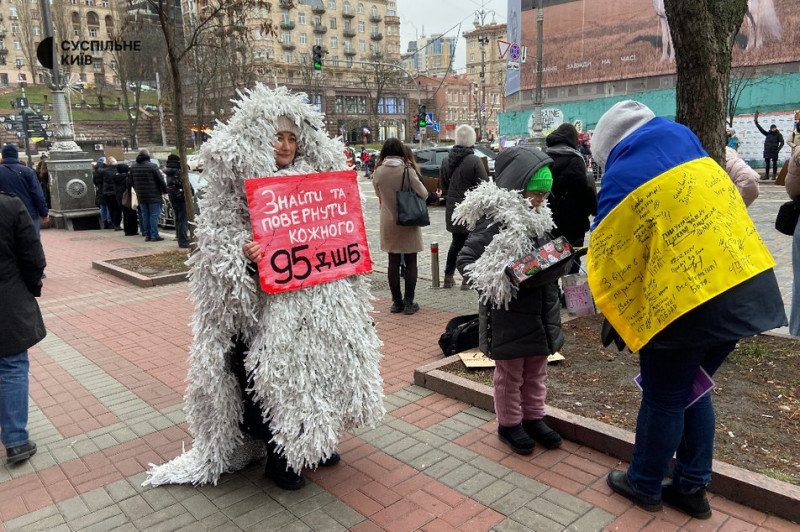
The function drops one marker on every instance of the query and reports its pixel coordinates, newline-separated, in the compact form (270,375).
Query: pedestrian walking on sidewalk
(21,181)
(178,199)
(460,172)
(507,219)
(21,325)
(393,168)
(260,381)
(150,186)
(656,166)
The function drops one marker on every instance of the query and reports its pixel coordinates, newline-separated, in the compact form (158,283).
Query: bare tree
(28,35)
(740,79)
(703,34)
(217,19)
(376,79)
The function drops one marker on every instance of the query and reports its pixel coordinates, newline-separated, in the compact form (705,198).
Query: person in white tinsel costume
(294,370)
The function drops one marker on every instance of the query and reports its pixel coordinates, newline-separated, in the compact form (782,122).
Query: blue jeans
(794,313)
(665,425)
(150,213)
(14,399)
(105,214)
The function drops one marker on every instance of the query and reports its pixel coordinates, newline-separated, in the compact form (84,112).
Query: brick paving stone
(511,501)
(94,518)
(535,520)
(496,490)
(594,519)
(443,467)
(403,515)
(29,520)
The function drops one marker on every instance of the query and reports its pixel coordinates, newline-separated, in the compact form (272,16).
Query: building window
(335,60)
(36,31)
(374,11)
(14,28)
(333,23)
(360,26)
(334,43)
(437,46)
(318,40)
(92,32)
(12,12)
(346,6)
(360,8)
(374,29)
(285,17)
(339,105)
(350,102)
(287,37)
(17,45)
(301,18)
(303,38)
(287,57)
(331,4)
(349,62)
(362,46)
(362,104)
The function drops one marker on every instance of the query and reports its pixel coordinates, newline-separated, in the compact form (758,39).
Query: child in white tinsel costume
(297,369)
(507,219)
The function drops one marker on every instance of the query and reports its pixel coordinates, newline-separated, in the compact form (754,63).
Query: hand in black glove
(608,334)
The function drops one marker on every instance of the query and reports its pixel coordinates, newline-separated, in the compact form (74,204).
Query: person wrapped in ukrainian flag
(681,274)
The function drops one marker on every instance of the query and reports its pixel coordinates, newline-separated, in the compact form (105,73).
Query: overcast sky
(440,16)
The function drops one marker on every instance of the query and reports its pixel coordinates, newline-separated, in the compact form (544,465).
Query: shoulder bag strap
(403,182)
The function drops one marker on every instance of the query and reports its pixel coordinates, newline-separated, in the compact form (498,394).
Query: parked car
(495,145)
(429,161)
(167,217)
(481,151)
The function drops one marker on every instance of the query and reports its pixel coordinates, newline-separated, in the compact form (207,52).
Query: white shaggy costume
(518,224)
(314,353)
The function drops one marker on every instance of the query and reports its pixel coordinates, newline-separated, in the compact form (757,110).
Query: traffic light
(421,114)
(317,57)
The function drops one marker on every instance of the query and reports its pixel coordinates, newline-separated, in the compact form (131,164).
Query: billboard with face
(587,41)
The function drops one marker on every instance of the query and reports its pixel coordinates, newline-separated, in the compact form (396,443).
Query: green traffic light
(317,66)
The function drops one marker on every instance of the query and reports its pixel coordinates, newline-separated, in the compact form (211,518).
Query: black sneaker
(618,481)
(516,438)
(157,239)
(397,307)
(20,453)
(694,504)
(541,433)
(410,308)
(332,460)
(284,477)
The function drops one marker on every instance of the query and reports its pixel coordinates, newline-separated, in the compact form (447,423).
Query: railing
(319,28)
(376,36)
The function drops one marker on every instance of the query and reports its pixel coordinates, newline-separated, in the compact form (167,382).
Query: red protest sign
(310,227)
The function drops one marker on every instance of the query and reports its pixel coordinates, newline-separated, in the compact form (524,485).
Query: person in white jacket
(744,177)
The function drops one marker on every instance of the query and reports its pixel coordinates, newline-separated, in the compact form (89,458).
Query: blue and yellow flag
(671,232)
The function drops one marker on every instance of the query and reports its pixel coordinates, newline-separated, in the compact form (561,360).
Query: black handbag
(411,209)
(788,213)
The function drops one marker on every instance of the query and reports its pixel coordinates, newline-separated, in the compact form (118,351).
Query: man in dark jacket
(150,186)
(460,172)
(113,186)
(21,325)
(574,197)
(178,199)
(772,145)
(99,198)
(21,181)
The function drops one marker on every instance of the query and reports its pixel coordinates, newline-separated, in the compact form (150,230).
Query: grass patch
(168,262)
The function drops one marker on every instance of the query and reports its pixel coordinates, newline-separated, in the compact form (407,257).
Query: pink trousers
(519,389)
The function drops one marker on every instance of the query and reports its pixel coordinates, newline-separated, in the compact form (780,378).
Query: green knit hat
(542,180)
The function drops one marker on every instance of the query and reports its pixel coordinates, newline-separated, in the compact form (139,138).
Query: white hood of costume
(314,353)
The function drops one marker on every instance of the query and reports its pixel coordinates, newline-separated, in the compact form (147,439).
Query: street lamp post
(538,137)
(479,23)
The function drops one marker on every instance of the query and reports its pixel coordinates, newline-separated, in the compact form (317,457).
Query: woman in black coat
(574,197)
(460,172)
(772,145)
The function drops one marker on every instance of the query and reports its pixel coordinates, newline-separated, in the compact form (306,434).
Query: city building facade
(430,56)
(486,72)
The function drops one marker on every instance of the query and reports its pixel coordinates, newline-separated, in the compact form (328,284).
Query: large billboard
(587,41)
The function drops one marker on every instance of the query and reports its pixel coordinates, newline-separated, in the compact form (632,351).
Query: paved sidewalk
(106,400)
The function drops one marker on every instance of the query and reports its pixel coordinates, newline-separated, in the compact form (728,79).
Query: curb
(138,279)
(746,487)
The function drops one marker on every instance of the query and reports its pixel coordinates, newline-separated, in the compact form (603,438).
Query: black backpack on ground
(460,334)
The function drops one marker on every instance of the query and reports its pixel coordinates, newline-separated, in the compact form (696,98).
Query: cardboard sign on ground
(475,359)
